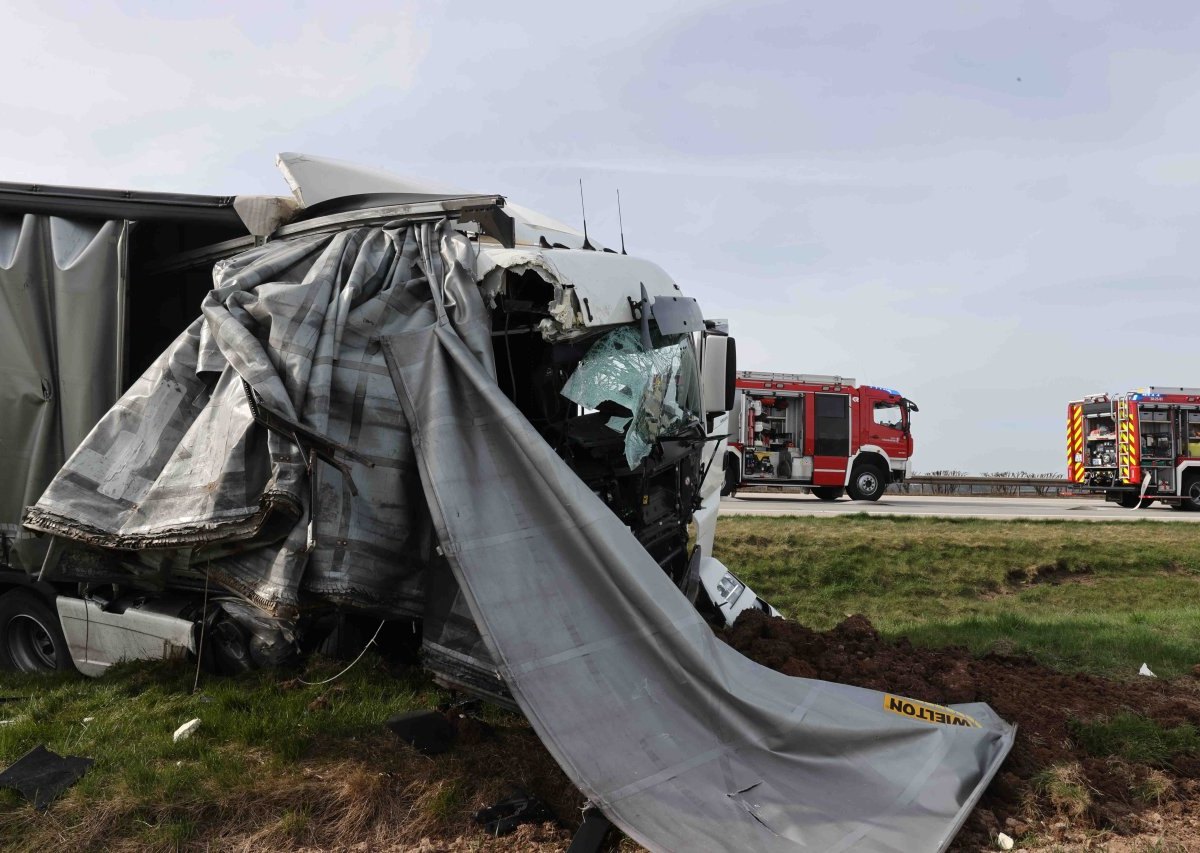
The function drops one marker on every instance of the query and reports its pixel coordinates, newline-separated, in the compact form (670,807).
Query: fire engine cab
(1137,447)
(824,434)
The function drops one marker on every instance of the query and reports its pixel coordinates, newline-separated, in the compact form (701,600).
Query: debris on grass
(428,732)
(505,816)
(186,730)
(40,775)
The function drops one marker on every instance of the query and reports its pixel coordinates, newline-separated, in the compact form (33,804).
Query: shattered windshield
(657,391)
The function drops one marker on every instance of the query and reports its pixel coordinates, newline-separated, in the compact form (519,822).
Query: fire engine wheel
(1128,500)
(867,483)
(1191,494)
(828,493)
(31,639)
(1145,502)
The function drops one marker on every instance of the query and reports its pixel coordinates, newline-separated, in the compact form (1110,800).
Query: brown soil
(1041,701)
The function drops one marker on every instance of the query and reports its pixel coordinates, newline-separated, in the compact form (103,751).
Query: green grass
(275,764)
(1100,598)
(238,770)
(257,722)
(1135,738)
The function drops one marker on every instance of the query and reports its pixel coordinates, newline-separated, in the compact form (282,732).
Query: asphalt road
(1065,509)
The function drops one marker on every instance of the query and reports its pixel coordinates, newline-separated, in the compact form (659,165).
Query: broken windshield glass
(658,389)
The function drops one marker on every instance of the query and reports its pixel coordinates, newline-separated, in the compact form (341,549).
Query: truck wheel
(827,493)
(1128,500)
(1191,493)
(867,483)
(31,638)
(732,476)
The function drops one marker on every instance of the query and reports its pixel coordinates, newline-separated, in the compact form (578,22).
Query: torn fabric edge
(651,716)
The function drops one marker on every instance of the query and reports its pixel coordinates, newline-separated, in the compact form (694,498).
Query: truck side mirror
(718,373)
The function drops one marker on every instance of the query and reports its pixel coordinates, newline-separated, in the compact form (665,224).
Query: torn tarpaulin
(180,479)
(41,775)
(682,741)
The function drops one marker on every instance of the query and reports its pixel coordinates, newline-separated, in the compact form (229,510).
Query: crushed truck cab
(439,412)
(566,320)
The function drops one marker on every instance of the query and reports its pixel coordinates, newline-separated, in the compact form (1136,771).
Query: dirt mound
(1055,784)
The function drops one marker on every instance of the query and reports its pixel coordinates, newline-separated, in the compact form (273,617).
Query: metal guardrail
(1056,482)
(1044,487)
(1011,486)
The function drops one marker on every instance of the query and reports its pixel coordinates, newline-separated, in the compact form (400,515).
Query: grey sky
(988,206)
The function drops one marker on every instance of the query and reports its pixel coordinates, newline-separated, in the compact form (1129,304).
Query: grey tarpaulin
(378,338)
(61,292)
(682,741)
(179,475)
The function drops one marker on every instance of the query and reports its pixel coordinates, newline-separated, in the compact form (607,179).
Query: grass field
(280,764)
(275,763)
(1101,598)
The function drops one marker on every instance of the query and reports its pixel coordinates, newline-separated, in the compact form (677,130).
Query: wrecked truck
(441,411)
(160,496)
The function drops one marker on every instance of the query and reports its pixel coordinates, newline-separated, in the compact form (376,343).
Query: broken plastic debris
(41,775)
(1145,670)
(428,732)
(185,731)
(506,815)
(1004,842)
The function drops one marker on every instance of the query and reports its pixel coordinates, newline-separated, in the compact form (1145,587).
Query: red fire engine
(1137,447)
(825,434)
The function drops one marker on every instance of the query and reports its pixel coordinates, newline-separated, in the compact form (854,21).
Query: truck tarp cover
(61,288)
(682,741)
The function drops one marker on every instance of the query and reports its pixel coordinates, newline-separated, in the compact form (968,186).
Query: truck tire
(828,493)
(867,483)
(1128,500)
(733,476)
(1191,493)
(31,638)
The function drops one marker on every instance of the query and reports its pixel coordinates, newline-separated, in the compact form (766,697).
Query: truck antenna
(586,243)
(621,222)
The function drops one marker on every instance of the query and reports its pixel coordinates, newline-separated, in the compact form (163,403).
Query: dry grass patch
(1065,787)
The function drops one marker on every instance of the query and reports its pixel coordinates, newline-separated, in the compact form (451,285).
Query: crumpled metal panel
(180,472)
(682,741)
(61,295)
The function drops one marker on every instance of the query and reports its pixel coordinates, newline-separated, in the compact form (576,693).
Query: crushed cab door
(831,438)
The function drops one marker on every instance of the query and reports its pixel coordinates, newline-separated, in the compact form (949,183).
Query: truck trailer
(824,434)
(614,366)
(1137,447)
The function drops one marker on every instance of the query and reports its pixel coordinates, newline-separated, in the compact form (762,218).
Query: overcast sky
(991,207)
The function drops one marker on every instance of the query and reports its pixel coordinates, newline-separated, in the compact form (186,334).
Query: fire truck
(1138,447)
(825,434)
